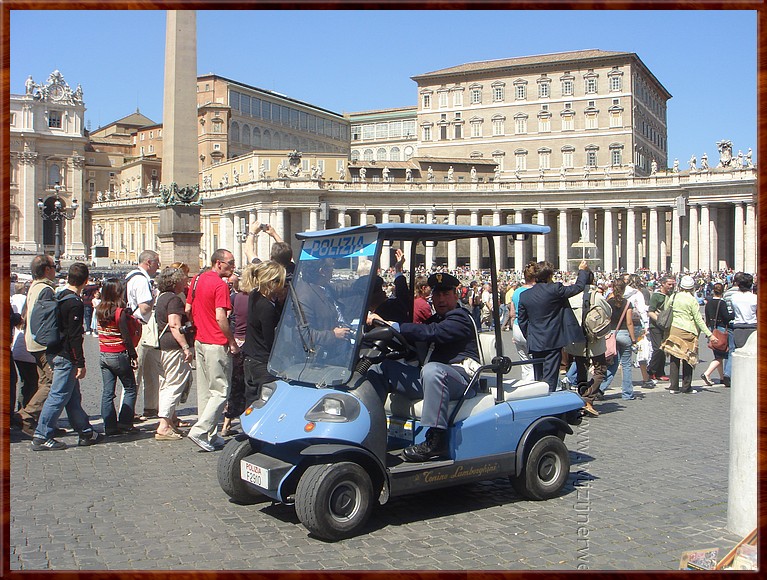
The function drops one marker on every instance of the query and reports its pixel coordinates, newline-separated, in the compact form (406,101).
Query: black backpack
(45,320)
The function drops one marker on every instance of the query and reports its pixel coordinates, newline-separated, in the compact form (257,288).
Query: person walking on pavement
(44,273)
(454,358)
(742,303)
(541,319)
(140,298)
(718,317)
(118,334)
(658,301)
(68,365)
(209,305)
(622,324)
(682,341)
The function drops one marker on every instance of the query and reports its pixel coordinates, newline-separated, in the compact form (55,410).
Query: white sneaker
(204,445)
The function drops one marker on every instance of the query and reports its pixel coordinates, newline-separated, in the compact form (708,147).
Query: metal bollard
(742,493)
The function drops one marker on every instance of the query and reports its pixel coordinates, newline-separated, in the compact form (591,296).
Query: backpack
(596,318)
(45,319)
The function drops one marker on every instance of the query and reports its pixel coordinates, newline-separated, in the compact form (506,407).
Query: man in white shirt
(140,297)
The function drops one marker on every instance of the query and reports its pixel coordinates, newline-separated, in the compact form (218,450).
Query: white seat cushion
(515,389)
(400,406)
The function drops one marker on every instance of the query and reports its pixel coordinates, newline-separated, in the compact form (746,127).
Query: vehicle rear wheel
(229,472)
(545,470)
(335,500)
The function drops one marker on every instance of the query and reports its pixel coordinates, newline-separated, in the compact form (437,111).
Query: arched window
(394,154)
(245,136)
(234,133)
(381,154)
(277,141)
(267,139)
(355,155)
(367,155)
(256,137)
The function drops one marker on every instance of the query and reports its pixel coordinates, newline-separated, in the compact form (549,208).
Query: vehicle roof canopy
(437,232)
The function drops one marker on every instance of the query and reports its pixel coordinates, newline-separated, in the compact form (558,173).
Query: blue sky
(358,60)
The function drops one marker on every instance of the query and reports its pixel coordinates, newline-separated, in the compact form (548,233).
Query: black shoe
(726,381)
(16,422)
(59,432)
(706,380)
(90,438)
(40,444)
(600,396)
(434,447)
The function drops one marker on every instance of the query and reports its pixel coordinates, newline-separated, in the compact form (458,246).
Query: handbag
(666,317)
(718,341)
(611,347)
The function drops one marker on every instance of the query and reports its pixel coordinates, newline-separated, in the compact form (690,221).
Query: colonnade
(694,236)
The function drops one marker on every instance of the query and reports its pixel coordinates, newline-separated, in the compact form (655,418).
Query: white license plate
(254,474)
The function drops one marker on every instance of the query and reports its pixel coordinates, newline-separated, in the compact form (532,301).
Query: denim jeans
(64,394)
(728,361)
(623,343)
(116,365)
(87,318)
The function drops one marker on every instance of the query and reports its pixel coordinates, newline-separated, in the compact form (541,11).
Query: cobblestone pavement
(648,481)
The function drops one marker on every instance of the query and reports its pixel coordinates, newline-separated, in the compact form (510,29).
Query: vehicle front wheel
(229,472)
(545,470)
(335,500)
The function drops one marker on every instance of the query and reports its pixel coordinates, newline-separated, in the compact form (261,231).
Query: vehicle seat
(487,347)
(516,389)
(399,405)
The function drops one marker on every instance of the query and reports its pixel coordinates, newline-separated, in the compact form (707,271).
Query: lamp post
(57,215)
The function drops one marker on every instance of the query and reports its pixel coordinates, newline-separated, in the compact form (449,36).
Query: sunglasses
(230,262)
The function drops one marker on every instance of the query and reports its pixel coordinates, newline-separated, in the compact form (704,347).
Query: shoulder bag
(718,340)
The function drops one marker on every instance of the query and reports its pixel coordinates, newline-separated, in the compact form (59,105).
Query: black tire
(545,469)
(335,500)
(229,472)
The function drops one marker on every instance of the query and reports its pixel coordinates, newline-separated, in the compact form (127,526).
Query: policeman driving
(453,356)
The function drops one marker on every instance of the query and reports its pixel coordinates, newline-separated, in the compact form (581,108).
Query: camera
(188,328)
(263,227)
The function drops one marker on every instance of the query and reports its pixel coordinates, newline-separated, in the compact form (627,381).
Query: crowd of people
(157,327)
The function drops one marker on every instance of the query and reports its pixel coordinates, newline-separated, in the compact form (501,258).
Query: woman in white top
(743,305)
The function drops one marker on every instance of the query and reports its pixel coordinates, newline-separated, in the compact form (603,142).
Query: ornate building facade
(47,150)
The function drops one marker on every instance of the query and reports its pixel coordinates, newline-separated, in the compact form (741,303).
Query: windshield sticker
(339,247)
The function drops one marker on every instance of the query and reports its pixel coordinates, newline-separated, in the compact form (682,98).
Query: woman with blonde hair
(264,307)
(235,402)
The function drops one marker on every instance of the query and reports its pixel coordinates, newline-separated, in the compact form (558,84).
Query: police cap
(443,281)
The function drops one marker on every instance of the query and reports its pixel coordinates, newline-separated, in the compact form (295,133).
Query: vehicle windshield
(320,326)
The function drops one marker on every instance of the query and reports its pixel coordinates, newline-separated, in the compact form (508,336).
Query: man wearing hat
(453,355)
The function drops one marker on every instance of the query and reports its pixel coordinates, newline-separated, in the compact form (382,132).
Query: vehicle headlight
(266,393)
(335,408)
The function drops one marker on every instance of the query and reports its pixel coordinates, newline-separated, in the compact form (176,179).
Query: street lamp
(57,215)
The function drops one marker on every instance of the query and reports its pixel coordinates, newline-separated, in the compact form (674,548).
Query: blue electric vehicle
(320,437)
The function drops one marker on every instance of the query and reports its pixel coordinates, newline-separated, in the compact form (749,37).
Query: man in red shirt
(208,304)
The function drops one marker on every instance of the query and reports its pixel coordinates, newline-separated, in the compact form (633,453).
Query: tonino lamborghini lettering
(339,247)
(459,472)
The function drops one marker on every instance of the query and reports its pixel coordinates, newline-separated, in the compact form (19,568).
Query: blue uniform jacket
(454,336)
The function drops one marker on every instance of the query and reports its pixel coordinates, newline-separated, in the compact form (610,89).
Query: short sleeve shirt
(211,293)
(168,303)
(139,292)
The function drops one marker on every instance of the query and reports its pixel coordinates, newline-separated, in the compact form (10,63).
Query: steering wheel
(396,333)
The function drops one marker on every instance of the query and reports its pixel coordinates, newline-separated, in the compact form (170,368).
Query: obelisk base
(180,236)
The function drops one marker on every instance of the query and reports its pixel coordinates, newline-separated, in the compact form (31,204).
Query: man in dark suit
(541,319)
(453,358)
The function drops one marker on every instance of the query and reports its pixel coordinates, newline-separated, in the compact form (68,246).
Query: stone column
(314,219)
(631,255)
(704,246)
(429,250)
(564,239)
(693,227)
(540,241)
(363,217)
(341,217)
(750,248)
(676,241)
(714,237)
(452,246)
(385,253)
(407,218)
(519,246)
(608,257)
(652,241)
(474,243)
(740,236)
(498,241)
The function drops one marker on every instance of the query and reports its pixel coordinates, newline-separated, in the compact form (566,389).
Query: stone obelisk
(179,231)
